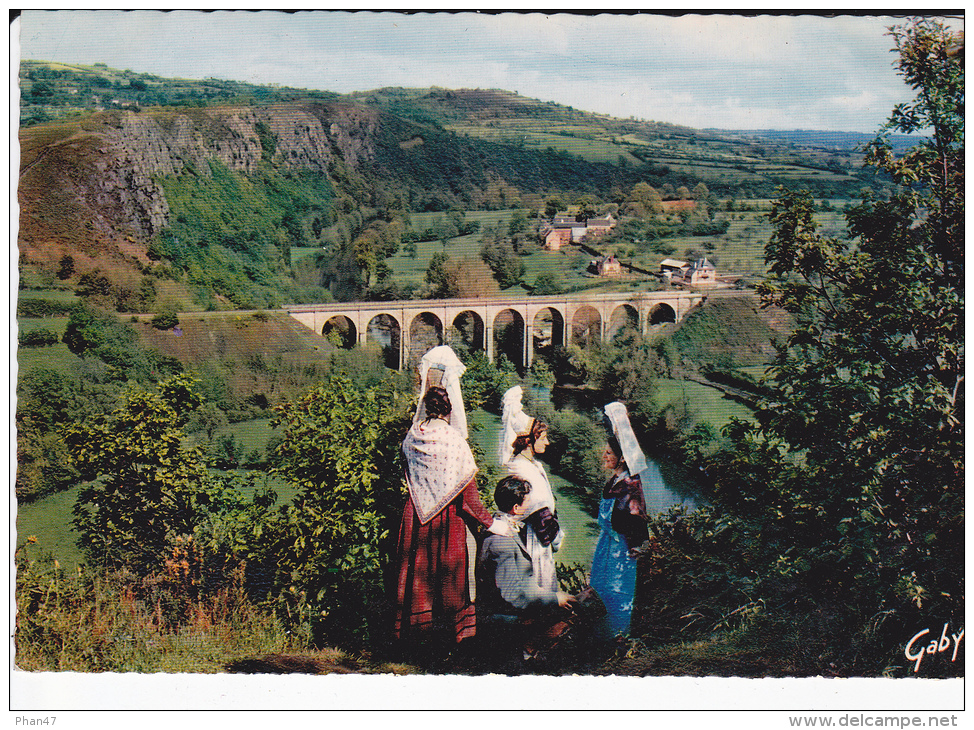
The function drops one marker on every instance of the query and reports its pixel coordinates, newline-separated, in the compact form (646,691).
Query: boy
(511,594)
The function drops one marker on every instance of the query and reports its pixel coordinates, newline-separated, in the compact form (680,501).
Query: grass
(252,435)
(708,404)
(419,222)
(49,520)
(71,620)
(55,357)
(54,295)
(302,252)
(58,324)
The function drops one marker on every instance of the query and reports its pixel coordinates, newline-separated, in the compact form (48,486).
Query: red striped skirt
(434,587)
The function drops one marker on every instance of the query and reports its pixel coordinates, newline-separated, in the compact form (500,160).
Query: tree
(340,448)
(552,206)
(144,487)
(451,278)
(844,506)
(90,329)
(436,275)
(470,278)
(209,418)
(546,283)
(587,206)
(65,267)
(166,319)
(503,260)
(643,199)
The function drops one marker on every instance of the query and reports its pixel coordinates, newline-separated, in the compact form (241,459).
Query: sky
(702,71)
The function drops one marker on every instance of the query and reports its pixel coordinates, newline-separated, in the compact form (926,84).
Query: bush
(144,488)
(27,307)
(166,319)
(340,447)
(575,453)
(546,283)
(37,338)
(483,382)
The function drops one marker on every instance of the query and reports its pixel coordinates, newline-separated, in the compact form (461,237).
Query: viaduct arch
(515,326)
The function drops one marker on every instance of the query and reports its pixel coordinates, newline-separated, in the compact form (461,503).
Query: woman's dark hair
(530,438)
(614,445)
(510,492)
(437,402)
(611,437)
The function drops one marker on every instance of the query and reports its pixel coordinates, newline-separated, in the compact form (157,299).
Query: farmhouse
(700,273)
(598,226)
(607,266)
(669,267)
(565,228)
(556,236)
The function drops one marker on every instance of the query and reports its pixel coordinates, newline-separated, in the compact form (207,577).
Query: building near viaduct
(510,325)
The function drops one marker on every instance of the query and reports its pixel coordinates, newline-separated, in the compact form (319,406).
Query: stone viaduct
(516,326)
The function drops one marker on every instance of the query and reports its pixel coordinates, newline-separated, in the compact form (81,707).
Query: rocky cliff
(92,185)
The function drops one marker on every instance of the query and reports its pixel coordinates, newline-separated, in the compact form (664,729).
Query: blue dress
(613,570)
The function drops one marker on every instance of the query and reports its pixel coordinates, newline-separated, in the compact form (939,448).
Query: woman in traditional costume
(437,552)
(522,439)
(622,521)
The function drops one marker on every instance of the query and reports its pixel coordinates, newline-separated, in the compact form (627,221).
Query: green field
(252,434)
(49,521)
(737,253)
(421,221)
(56,357)
(709,404)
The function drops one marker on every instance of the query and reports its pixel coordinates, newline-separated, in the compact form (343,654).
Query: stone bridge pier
(515,326)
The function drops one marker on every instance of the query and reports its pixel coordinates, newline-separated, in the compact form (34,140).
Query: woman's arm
(628,516)
(473,506)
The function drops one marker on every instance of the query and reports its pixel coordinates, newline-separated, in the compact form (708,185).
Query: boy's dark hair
(437,402)
(510,492)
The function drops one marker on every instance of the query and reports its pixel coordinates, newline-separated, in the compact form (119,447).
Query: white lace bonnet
(441,366)
(514,422)
(619,420)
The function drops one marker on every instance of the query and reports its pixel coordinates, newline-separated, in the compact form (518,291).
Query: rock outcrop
(115,183)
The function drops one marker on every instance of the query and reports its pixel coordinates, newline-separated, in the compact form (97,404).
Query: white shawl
(542,556)
(439,464)
(533,471)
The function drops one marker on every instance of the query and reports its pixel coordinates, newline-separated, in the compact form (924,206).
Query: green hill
(141,193)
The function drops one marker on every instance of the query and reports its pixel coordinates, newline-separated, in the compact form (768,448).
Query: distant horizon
(481,88)
(702,71)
